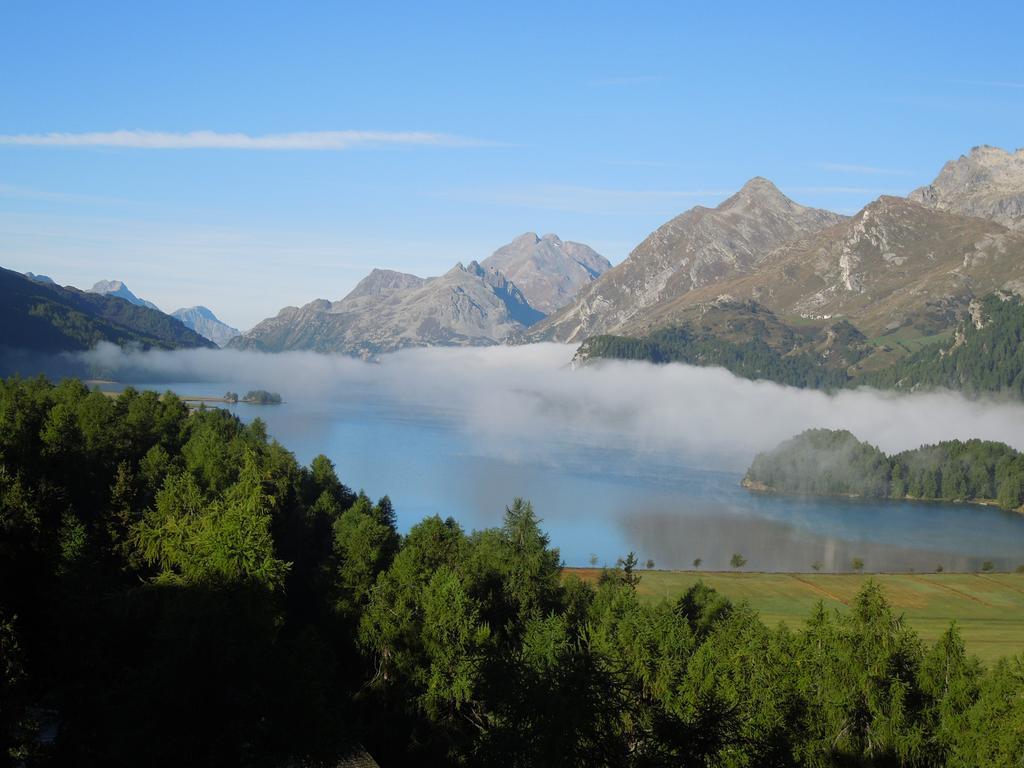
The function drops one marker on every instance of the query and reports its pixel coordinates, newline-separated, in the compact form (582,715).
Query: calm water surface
(608,501)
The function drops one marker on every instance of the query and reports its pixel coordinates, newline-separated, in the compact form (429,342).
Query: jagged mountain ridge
(987,183)
(472,305)
(467,306)
(206,324)
(549,271)
(699,247)
(895,265)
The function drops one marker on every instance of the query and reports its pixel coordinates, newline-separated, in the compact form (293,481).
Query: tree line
(828,462)
(751,359)
(176,589)
(984,355)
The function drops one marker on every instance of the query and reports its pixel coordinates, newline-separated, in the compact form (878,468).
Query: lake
(603,497)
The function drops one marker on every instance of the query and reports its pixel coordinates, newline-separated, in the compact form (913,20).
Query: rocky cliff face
(467,306)
(896,264)
(548,271)
(475,304)
(988,183)
(458,308)
(697,248)
(205,323)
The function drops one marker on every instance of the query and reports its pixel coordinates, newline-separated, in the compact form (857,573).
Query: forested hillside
(753,359)
(42,317)
(175,589)
(984,354)
(834,462)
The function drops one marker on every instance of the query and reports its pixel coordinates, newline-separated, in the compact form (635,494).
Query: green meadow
(988,607)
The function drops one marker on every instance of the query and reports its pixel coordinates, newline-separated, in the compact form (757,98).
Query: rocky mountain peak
(548,270)
(988,182)
(761,186)
(381,282)
(121,291)
(525,240)
(202,320)
(757,196)
(697,248)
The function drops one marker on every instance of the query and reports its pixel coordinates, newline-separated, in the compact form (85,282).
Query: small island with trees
(825,462)
(254,397)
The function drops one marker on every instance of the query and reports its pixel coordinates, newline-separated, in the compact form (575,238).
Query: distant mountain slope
(547,270)
(984,354)
(467,306)
(746,339)
(41,317)
(205,323)
(45,279)
(697,248)
(895,265)
(477,304)
(119,289)
(988,182)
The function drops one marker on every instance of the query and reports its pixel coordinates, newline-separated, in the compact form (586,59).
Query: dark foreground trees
(176,590)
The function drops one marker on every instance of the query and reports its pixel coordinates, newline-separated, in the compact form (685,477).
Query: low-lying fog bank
(527,398)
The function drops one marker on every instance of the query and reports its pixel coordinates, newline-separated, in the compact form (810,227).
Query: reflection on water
(606,501)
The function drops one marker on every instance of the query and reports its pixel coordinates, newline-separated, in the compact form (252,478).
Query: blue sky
(251,155)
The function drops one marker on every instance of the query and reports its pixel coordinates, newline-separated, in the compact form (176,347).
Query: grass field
(989,608)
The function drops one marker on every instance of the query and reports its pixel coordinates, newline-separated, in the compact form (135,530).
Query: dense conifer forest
(176,589)
(752,359)
(984,355)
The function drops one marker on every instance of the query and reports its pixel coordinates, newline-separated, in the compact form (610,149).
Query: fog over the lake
(513,399)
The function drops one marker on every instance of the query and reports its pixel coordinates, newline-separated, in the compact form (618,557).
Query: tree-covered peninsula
(829,462)
(176,589)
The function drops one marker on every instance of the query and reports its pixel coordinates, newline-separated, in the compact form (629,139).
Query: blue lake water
(608,501)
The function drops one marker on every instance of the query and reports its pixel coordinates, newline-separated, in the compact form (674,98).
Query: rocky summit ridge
(475,304)
(988,182)
(699,247)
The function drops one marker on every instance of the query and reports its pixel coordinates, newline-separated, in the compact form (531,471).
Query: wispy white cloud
(15,192)
(606,82)
(992,83)
(873,191)
(868,170)
(642,164)
(307,140)
(589,200)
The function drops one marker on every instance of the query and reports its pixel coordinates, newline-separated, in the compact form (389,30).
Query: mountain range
(758,283)
(470,305)
(40,316)
(695,249)
(198,318)
(901,273)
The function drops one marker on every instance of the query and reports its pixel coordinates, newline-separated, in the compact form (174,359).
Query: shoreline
(756,486)
(593,572)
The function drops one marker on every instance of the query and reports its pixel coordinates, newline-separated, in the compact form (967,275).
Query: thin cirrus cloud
(301,141)
(586,200)
(991,83)
(867,170)
(607,82)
